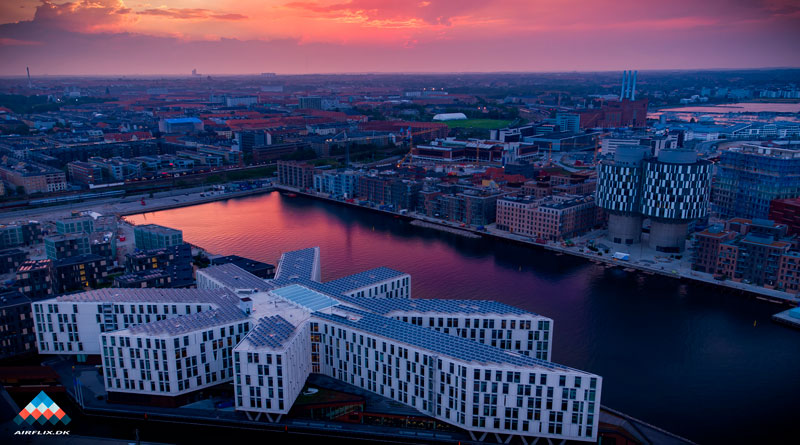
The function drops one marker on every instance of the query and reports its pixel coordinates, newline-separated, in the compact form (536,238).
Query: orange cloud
(192,13)
(85,15)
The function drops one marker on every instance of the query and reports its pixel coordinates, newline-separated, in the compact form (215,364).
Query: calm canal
(700,362)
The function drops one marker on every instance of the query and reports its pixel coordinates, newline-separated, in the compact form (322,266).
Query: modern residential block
(478,365)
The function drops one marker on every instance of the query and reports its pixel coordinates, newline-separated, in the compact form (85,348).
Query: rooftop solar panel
(431,340)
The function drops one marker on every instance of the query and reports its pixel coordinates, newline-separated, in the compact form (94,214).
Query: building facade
(671,190)
(296,174)
(17,336)
(164,346)
(152,236)
(749,177)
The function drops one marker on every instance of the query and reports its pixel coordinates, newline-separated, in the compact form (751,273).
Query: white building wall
(69,327)
(392,288)
(527,334)
(269,380)
(170,365)
(505,399)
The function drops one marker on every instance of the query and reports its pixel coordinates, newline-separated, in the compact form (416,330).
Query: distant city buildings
(310,103)
(180,125)
(33,178)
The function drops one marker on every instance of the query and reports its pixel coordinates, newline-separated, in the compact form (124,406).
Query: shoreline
(769,295)
(202,200)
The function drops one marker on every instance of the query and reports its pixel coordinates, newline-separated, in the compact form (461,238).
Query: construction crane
(410,153)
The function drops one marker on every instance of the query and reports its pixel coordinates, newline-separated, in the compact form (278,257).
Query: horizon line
(361,73)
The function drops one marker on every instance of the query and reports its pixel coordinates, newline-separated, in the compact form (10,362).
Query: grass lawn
(487,124)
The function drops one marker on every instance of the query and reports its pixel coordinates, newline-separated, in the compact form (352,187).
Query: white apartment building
(479,365)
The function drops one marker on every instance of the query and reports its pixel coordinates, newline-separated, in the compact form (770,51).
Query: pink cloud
(4,41)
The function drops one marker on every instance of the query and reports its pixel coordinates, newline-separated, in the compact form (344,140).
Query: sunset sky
(306,36)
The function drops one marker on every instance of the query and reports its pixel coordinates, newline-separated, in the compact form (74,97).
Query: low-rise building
(75,224)
(65,246)
(34,278)
(552,218)
(337,183)
(176,261)
(17,335)
(84,173)
(257,268)
(149,278)
(33,178)
(786,211)
(20,234)
(153,236)
(79,272)
(296,174)
(11,259)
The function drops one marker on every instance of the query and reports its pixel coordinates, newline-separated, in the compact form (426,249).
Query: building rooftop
(234,277)
(77,259)
(305,297)
(432,340)
(363,279)
(13,298)
(297,264)
(111,295)
(385,306)
(158,229)
(183,120)
(31,265)
(270,332)
(191,322)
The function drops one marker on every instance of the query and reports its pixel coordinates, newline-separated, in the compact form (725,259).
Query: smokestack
(30,84)
(633,86)
(624,78)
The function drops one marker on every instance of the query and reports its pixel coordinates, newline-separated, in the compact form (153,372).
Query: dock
(789,317)
(453,230)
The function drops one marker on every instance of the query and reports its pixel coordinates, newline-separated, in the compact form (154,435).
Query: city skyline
(108,37)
